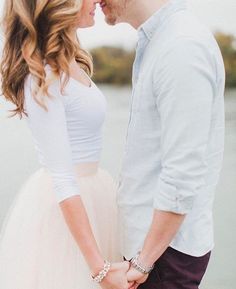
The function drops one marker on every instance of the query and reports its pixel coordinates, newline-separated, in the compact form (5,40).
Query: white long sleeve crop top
(69,133)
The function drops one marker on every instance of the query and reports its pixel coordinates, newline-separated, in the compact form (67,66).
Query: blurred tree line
(227,45)
(114,65)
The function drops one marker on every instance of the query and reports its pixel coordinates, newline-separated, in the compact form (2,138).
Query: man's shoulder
(182,36)
(188,25)
(183,39)
(182,26)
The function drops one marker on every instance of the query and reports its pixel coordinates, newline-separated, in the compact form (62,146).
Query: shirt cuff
(66,192)
(172,199)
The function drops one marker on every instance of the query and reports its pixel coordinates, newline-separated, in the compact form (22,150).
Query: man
(174,147)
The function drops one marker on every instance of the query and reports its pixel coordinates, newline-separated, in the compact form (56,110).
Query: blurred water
(18,161)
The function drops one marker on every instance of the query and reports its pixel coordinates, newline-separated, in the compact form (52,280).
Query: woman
(62,224)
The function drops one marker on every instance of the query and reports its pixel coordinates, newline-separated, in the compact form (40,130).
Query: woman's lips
(92,13)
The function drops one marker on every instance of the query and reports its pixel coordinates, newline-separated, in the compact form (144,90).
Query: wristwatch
(138,266)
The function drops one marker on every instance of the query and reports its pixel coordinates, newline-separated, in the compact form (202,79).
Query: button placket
(134,80)
(140,50)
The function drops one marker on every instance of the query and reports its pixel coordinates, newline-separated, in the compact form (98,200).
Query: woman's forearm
(77,220)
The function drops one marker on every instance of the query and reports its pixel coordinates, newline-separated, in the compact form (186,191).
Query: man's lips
(103,4)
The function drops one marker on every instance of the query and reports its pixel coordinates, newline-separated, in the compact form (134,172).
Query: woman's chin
(92,23)
(88,24)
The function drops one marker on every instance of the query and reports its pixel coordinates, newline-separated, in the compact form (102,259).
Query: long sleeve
(184,87)
(49,130)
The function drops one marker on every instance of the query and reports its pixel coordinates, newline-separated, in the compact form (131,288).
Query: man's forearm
(163,229)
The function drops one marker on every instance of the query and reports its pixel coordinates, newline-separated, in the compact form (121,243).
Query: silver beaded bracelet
(102,274)
(135,264)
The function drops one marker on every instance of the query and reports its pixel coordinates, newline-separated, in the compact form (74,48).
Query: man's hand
(136,277)
(117,277)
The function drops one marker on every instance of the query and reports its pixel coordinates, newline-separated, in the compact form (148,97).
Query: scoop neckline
(92,84)
(81,84)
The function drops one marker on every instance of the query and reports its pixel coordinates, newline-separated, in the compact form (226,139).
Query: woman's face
(87,13)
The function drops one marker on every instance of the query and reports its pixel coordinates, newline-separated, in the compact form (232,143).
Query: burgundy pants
(176,270)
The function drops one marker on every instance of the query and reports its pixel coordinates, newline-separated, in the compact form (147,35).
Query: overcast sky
(217,14)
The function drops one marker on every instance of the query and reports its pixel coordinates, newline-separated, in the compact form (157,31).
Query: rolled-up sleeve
(184,87)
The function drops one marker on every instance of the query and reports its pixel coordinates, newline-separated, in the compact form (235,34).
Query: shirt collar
(148,28)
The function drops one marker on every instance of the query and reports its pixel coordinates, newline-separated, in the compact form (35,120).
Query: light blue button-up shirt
(175,138)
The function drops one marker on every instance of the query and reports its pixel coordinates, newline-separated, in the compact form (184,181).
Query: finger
(131,285)
(126,265)
(129,276)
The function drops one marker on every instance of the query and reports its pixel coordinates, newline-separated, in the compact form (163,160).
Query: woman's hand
(116,278)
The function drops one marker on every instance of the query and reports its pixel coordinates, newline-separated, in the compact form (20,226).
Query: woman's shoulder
(52,81)
(31,89)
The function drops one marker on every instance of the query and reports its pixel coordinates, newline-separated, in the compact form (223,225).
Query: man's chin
(111,20)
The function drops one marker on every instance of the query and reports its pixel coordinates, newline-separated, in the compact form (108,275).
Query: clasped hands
(123,276)
(135,278)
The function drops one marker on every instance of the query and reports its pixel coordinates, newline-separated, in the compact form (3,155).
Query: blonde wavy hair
(39,32)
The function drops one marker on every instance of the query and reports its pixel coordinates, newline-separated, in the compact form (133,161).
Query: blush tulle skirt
(37,250)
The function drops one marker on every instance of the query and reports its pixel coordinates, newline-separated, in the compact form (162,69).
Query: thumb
(130,276)
(131,285)
(126,266)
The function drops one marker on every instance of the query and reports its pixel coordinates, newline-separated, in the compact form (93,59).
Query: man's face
(113,10)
